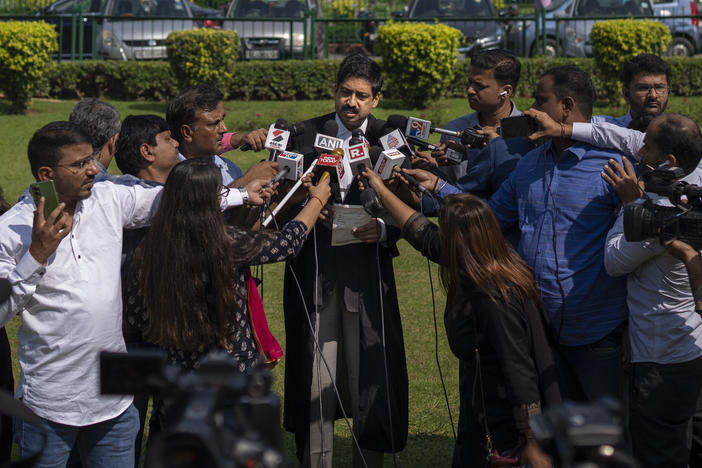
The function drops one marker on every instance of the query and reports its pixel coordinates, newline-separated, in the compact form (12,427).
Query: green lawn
(431,438)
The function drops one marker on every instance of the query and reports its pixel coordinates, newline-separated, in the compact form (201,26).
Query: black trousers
(663,399)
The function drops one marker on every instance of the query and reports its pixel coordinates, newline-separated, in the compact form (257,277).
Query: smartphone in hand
(47,190)
(517,127)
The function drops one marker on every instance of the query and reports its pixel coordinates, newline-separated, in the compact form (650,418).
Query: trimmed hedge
(295,79)
(203,55)
(420,59)
(25,54)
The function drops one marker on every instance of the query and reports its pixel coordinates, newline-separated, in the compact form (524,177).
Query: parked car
(685,31)
(479,34)
(123,29)
(275,29)
(572,37)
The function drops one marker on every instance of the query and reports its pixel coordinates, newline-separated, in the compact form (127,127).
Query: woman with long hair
(493,324)
(188,291)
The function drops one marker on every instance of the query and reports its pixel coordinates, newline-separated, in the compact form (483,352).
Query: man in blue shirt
(564,210)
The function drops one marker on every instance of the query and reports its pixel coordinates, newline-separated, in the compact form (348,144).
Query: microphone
(275,142)
(387,161)
(359,160)
(290,164)
(422,143)
(331,166)
(413,182)
(419,128)
(326,141)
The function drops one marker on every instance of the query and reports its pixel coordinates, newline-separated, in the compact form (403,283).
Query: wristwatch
(244,195)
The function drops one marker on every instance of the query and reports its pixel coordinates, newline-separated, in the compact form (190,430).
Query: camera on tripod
(681,221)
(215,417)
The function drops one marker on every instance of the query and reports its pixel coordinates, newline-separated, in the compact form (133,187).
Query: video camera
(583,435)
(682,221)
(215,417)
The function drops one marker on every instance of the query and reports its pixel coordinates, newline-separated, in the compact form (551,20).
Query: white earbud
(503,93)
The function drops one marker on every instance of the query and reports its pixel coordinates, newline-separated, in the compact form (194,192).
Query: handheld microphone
(290,164)
(387,161)
(280,124)
(326,141)
(359,160)
(422,143)
(331,166)
(413,182)
(419,128)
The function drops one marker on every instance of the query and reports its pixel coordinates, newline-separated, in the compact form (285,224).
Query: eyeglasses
(643,89)
(81,165)
(224,192)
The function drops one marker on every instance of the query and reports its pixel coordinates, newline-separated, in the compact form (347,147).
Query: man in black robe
(355,297)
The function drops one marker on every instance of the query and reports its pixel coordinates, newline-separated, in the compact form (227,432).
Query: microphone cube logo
(326,143)
(392,140)
(294,163)
(418,128)
(277,139)
(356,152)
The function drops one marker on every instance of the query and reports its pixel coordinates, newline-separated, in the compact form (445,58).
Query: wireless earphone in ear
(503,93)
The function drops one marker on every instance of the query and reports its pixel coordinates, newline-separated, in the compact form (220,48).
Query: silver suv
(274,29)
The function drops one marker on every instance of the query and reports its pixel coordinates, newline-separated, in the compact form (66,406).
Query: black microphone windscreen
(330,128)
(374,154)
(281,124)
(356,133)
(398,121)
(296,129)
(378,128)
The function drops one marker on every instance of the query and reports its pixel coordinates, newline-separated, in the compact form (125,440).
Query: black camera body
(215,417)
(682,221)
(583,435)
(519,126)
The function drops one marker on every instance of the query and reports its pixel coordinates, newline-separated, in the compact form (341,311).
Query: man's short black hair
(137,130)
(569,80)
(505,65)
(99,119)
(182,109)
(644,63)
(46,143)
(360,66)
(641,122)
(680,136)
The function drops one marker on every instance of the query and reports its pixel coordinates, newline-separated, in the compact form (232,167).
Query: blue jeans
(108,444)
(596,369)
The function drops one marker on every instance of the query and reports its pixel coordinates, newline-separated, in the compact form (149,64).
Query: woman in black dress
(492,312)
(188,290)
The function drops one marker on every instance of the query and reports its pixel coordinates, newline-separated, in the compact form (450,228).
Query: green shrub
(297,79)
(25,52)
(284,79)
(203,56)
(343,8)
(133,80)
(419,59)
(616,41)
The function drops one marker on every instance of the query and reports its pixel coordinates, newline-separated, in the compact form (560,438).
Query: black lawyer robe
(355,269)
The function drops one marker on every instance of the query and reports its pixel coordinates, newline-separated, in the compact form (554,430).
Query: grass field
(431,440)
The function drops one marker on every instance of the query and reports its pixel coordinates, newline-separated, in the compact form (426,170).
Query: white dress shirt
(71,308)
(663,325)
(608,135)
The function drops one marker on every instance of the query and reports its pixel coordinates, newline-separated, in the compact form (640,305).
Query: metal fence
(84,36)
